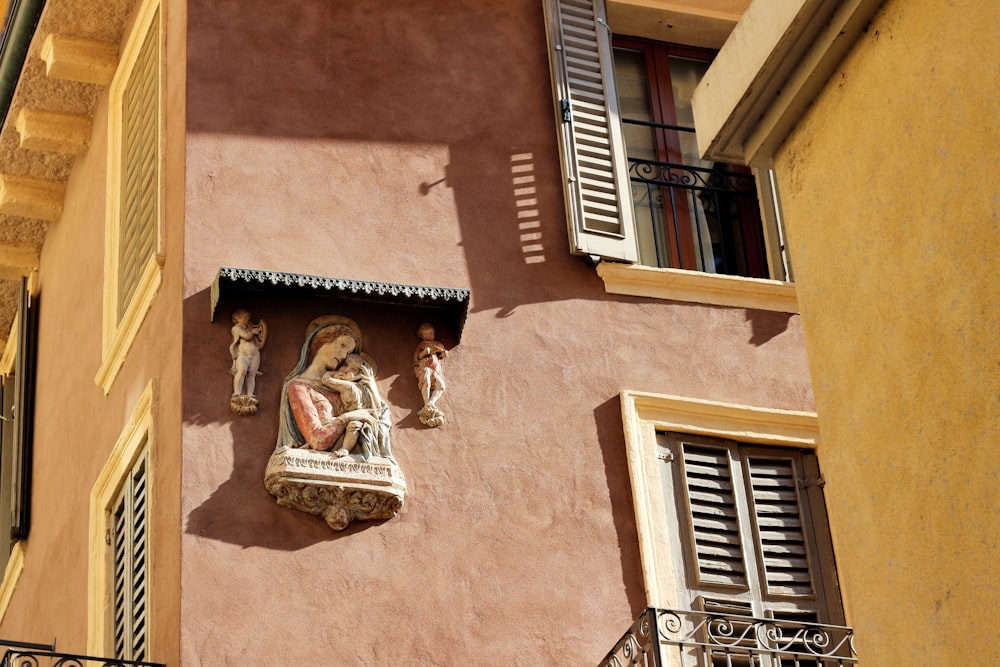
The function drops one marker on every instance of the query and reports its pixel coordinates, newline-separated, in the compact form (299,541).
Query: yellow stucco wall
(891,193)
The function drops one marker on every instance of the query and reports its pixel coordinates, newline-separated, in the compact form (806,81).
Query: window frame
(17,381)
(121,326)
(605,248)
(136,440)
(17,390)
(644,415)
(822,597)
(679,245)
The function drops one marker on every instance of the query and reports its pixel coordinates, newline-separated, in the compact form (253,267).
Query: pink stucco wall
(374,140)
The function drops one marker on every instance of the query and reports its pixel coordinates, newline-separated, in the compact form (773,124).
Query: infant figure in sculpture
(427,367)
(354,382)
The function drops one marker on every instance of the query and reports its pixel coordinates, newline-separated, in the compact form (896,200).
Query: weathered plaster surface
(76,425)
(376,141)
(890,198)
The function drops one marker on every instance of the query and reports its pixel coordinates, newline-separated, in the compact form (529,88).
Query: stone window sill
(698,287)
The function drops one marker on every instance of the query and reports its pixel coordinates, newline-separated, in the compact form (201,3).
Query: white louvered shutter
(778,523)
(591,142)
(130,518)
(140,167)
(715,523)
(752,527)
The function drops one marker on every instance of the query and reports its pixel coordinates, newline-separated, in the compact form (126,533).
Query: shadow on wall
(610,430)
(240,510)
(766,325)
(483,93)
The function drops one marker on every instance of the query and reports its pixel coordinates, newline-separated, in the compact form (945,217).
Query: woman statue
(317,410)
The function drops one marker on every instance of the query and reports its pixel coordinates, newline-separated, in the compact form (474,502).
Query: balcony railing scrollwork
(661,637)
(700,217)
(23,654)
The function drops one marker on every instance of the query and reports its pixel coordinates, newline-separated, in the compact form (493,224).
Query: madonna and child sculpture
(333,458)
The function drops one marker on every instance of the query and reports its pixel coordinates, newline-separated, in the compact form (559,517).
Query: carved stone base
(243,404)
(337,489)
(431,416)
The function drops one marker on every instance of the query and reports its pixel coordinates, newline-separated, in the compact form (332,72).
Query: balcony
(662,637)
(690,214)
(24,654)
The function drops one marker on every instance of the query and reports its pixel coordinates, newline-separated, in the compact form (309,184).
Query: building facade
(892,222)
(628,420)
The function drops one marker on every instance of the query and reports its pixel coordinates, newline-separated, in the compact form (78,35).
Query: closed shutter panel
(130,570)
(778,520)
(592,146)
(24,411)
(752,530)
(140,167)
(714,518)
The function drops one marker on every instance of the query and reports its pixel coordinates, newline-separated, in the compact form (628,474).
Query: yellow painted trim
(124,334)
(11,575)
(698,287)
(773,65)
(53,132)
(10,348)
(643,415)
(36,198)
(140,429)
(79,59)
(118,335)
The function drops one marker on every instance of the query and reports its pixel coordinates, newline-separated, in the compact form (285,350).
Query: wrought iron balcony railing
(23,654)
(703,218)
(662,637)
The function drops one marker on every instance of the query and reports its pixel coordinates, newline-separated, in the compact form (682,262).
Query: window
(134,243)
(750,524)
(732,528)
(688,213)
(636,190)
(121,540)
(129,518)
(17,395)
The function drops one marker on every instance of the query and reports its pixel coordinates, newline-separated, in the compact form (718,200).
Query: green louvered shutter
(591,142)
(140,167)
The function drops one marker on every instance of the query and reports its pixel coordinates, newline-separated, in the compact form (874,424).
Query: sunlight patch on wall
(529,225)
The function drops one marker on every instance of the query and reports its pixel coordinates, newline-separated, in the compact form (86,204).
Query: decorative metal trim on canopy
(452,302)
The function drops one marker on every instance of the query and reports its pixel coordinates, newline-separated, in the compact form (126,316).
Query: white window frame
(644,414)
(613,244)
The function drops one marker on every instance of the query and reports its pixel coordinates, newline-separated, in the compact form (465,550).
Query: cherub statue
(248,339)
(427,367)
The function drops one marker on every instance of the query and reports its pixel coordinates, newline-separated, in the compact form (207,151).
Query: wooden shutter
(24,411)
(714,518)
(752,528)
(778,523)
(129,567)
(591,142)
(139,224)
